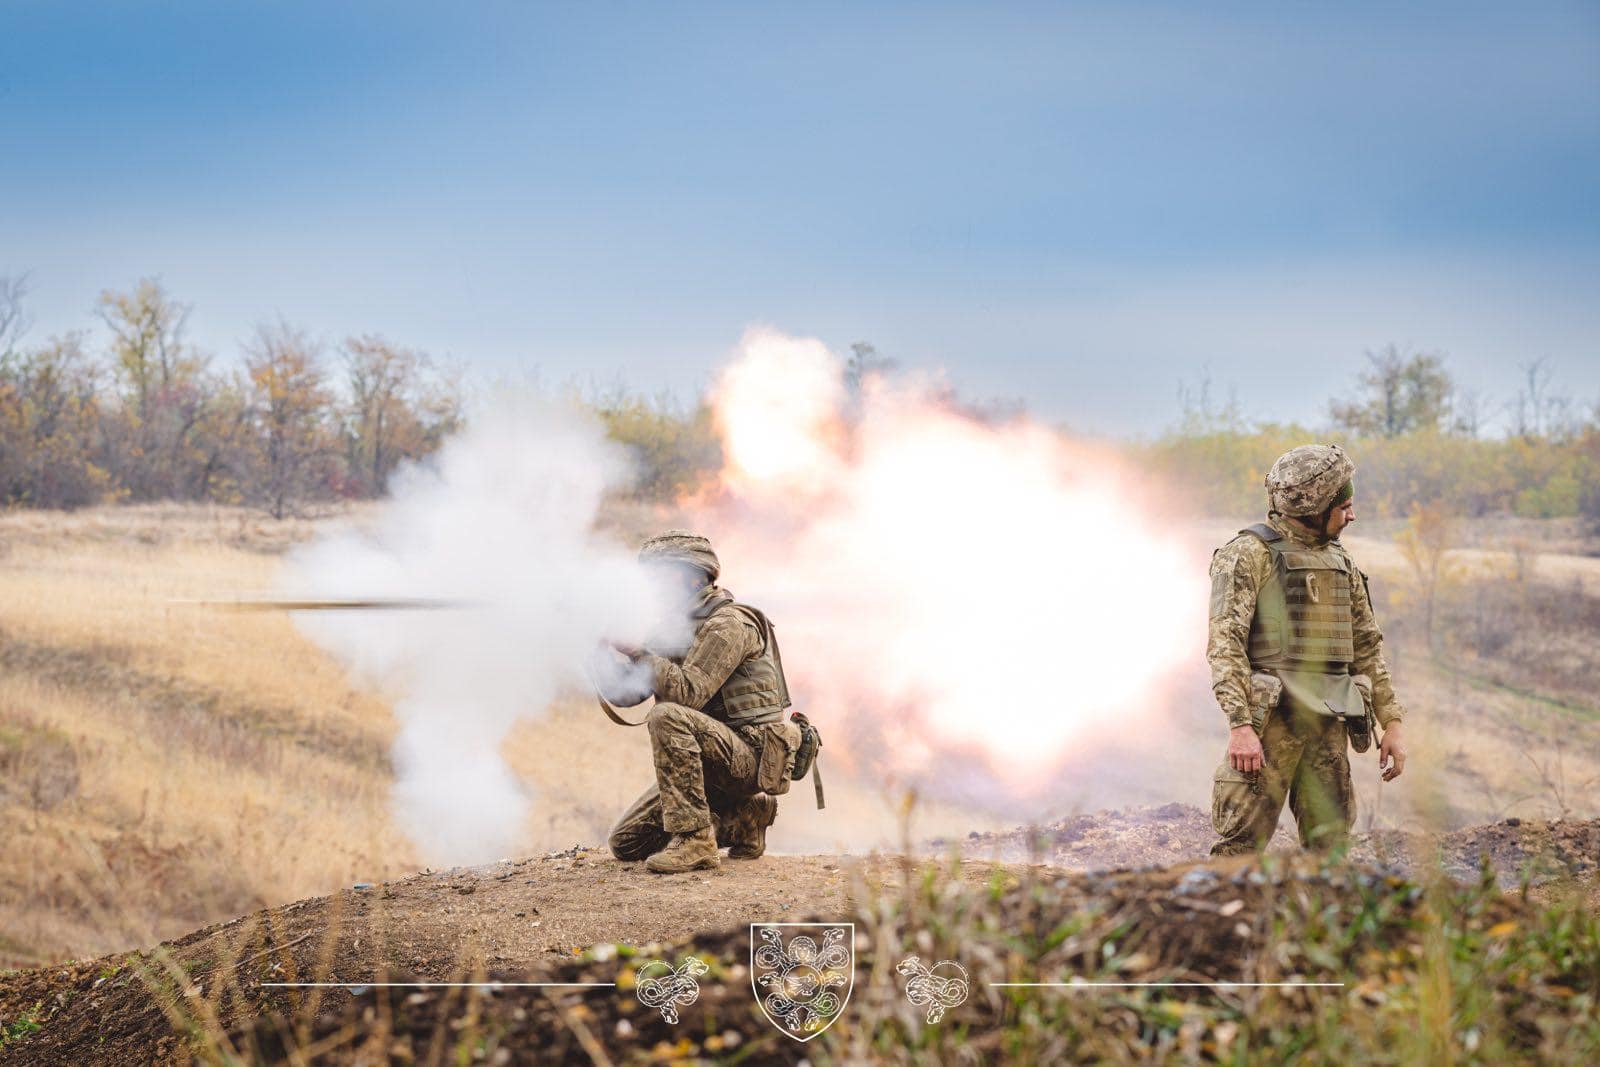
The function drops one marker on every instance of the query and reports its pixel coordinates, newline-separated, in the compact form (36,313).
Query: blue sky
(1077,206)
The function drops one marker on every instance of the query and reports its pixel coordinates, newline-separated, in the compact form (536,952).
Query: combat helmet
(681,546)
(1309,480)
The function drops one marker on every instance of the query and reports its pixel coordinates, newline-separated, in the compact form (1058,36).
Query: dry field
(163,765)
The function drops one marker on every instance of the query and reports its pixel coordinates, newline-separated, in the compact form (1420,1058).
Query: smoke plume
(501,530)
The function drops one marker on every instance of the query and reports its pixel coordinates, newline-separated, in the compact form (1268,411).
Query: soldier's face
(683,583)
(1340,517)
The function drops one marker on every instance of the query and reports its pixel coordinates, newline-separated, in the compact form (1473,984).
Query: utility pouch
(1360,727)
(805,757)
(779,743)
(1265,692)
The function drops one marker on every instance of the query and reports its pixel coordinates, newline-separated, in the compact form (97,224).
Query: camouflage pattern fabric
(725,639)
(1238,571)
(1306,762)
(681,546)
(1305,480)
(702,766)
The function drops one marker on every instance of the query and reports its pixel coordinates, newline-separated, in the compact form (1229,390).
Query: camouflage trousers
(705,771)
(1307,760)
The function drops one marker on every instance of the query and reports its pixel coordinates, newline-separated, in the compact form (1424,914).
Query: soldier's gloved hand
(1244,749)
(1392,752)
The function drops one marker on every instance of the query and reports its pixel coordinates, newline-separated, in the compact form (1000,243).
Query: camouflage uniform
(708,768)
(1305,750)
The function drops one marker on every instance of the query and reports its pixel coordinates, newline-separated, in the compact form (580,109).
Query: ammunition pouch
(1266,690)
(805,756)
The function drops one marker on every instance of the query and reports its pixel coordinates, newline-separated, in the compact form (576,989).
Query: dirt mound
(1516,850)
(1149,836)
(1526,971)
(1285,920)
(1159,836)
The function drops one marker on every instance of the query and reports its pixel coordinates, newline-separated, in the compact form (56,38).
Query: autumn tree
(1425,541)
(149,439)
(398,406)
(49,415)
(289,438)
(1398,394)
(13,318)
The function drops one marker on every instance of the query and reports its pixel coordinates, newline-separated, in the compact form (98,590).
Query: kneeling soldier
(717,732)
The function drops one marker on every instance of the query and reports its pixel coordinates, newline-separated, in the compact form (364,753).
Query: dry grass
(169,765)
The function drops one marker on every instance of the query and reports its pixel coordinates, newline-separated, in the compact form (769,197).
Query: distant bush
(1538,478)
(676,449)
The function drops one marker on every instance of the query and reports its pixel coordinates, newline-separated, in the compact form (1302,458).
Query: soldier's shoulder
(734,613)
(1338,547)
(1244,546)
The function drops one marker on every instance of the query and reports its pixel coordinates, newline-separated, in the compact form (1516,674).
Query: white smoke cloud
(502,525)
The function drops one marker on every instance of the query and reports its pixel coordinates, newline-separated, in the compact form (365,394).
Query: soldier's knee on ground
(632,843)
(622,845)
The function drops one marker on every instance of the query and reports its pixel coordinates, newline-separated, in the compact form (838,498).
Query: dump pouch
(1360,727)
(805,757)
(779,743)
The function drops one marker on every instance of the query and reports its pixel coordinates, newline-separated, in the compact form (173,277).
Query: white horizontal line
(1175,985)
(427,985)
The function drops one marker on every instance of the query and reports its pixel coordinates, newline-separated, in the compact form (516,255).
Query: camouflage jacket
(726,638)
(1237,572)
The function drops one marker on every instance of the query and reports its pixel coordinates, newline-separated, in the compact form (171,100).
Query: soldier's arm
(1369,651)
(1237,571)
(725,640)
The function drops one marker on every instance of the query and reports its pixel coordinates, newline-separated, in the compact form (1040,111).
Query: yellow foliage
(1223,469)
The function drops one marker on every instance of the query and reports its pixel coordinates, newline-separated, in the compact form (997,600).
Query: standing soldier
(717,731)
(1296,662)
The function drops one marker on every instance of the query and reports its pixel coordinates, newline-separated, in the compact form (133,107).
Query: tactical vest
(756,691)
(1303,620)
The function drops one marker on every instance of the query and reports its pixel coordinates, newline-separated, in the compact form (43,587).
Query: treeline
(147,416)
(1416,438)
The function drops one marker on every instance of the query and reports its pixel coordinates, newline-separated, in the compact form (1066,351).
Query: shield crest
(802,974)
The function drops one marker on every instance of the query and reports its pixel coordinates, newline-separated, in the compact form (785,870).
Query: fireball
(946,588)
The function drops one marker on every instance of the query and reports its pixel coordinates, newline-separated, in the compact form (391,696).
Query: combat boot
(687,852)
(749,838)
